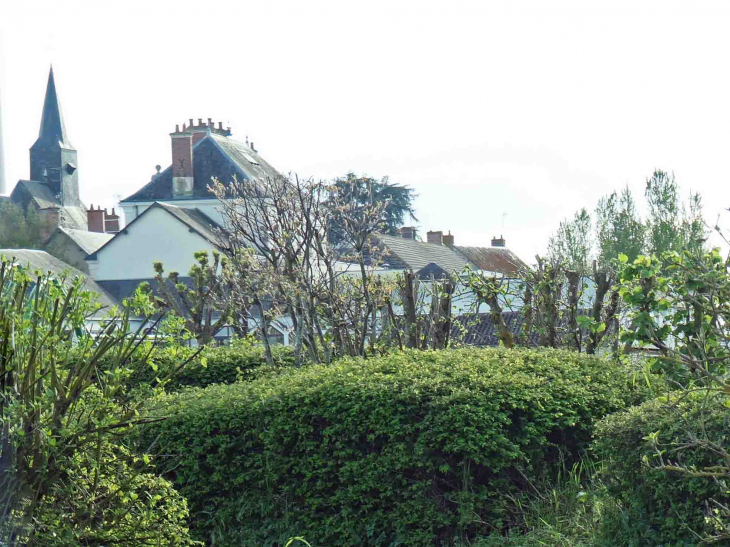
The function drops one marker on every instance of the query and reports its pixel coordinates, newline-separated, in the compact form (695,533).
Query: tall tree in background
(572,244)
(365,191)
(619,229)
(672,225)
(19,229)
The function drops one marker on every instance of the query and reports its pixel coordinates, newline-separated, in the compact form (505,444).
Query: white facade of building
(156,236)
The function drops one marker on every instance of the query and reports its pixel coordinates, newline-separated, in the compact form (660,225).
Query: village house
(175,214)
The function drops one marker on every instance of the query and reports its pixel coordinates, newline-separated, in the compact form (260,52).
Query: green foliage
(572,243)
(202,306)
(411,448)
(62,473)
(618,228)
(680,305)
(366,191)
(242,359)
(672,225)
(19,229)
(662,505)
(106,495)
(566,511)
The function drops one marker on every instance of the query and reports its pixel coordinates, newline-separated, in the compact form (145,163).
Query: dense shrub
(406,449)
(242,359)
(663,507)
(115,503)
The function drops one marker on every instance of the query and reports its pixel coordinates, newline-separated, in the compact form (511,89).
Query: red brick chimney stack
(95,218)
(435,237)
(498,241)
(182,163)
(111,222)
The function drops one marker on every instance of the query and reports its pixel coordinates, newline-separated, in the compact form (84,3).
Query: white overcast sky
(533,109)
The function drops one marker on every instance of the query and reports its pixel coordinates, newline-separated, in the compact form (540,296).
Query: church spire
(53,159)
(52,127)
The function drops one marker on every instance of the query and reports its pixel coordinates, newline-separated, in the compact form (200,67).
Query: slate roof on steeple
(52,129)
(216,156)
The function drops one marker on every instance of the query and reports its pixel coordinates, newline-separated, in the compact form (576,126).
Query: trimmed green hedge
(242,359)
(406,449)
(662,507)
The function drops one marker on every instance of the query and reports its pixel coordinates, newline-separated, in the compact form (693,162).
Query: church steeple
(53,159)
(52,127)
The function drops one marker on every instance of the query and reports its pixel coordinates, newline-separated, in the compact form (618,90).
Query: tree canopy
(369,191)
(19,229)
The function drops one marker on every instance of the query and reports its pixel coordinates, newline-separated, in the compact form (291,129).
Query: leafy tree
(65,479)
(572,244)
(282,261)
(367,191)
(679,314)
(619,229)
(203,306)
(19,229)
(671,224)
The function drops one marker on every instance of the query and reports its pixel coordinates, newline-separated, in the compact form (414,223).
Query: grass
(566,513)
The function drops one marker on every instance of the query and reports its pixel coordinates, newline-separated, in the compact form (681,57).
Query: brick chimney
(498,241)
(408,232)
(182,163)
(435,237)
(95,218)
(448,239)
(111,222)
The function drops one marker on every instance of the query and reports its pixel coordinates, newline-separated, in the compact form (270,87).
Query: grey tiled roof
(479,329)
(71,216)
(493,259)
(213,156)
(415,255)
(88,241)
(74,218)
(40,193)
(124,288)
(197,220)
(41,260)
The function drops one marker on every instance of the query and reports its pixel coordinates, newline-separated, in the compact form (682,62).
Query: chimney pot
(177,128)
(184,128)
(210,122)
(220,125)
(191,122)
(200,121)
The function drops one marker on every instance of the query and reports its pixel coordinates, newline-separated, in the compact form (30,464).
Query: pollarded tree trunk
(442,325)
(408,296)
(573,282)
(495,311)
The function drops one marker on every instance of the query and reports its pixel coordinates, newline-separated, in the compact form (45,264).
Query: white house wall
(155,236)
